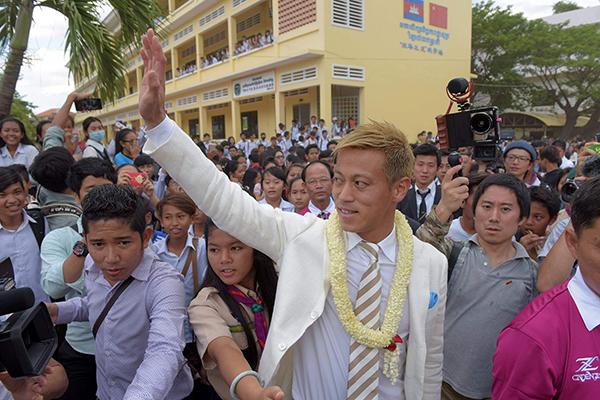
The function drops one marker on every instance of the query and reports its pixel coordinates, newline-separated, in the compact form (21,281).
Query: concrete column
(235,119)
(231,35)
(171,6)
(139,77)
(280,109)
(199,50)
(325,102)
(174,61)
(204,123)
(179,120)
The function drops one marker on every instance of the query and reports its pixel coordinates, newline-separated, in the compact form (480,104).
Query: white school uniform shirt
(284,205)
(316,211)
(22,248)
(322,354)
(24,155)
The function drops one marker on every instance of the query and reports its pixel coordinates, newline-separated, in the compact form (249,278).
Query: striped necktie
(363,368)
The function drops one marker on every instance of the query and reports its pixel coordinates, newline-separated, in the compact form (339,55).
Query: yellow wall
(403,86)
(406,87)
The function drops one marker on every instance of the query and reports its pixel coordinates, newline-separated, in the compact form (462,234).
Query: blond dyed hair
(385,137)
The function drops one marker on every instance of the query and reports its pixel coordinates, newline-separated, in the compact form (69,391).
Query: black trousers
(81,371)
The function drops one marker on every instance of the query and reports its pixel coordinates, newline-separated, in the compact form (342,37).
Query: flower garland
(385,337)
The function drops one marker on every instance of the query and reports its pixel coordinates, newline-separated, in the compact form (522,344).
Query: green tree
(23,110)
(92,49)
(496,51)
(564,6)
(562,66)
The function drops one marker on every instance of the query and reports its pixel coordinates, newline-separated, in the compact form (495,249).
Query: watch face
(80,249)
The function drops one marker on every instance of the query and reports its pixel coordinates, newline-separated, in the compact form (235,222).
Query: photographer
(491,277)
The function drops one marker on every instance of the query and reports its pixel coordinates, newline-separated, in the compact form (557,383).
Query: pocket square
(433,298)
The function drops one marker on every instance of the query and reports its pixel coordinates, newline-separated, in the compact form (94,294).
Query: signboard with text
(420,37)
(254,85)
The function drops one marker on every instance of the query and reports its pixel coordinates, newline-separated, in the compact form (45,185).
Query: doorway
(302,113)
(250,123)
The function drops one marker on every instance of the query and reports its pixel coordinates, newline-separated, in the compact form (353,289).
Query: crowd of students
(232,269)
(253,42)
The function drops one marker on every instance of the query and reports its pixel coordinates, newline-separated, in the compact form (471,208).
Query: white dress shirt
(587,302)
(22,248)
(24,155)
(322,354)
(313,209)
(428,199)
(566,163)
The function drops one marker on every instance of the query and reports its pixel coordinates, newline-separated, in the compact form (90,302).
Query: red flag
(438,16)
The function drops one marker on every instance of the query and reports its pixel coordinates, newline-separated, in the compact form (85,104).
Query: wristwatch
(80,249)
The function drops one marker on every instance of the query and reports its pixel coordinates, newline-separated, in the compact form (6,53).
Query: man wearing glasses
(519,158)
(318,178)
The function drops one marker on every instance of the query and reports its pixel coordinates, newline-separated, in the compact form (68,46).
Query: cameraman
(491,277)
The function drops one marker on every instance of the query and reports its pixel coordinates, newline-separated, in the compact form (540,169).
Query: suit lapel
(438,194)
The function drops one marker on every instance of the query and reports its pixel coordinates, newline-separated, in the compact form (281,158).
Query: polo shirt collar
(387,245)
(587,302)
(160,247)
(520,250)
(4,150)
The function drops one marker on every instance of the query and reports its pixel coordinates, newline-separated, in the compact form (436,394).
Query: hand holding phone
(136,179)
(88,104)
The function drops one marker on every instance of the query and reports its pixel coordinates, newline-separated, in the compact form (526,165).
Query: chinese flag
(438,16)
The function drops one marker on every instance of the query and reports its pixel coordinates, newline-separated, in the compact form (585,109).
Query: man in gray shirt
(139,343)
(491,278)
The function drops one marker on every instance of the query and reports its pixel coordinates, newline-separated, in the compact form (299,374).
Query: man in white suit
(308,351)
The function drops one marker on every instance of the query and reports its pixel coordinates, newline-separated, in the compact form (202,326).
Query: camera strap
(111,302)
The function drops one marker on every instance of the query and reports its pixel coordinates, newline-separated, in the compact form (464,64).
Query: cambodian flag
(414,10)
(438,16)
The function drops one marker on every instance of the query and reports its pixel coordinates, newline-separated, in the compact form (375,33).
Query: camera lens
(568,191)
(481,123)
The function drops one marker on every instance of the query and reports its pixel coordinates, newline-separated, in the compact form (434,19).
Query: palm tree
(90,45)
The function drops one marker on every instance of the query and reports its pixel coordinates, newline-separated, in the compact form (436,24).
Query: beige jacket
(297,244)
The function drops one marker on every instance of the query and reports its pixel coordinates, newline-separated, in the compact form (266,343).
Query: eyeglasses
(322,181)
(518,158)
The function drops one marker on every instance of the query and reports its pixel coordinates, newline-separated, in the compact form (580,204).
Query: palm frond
(8,19)
(136,17)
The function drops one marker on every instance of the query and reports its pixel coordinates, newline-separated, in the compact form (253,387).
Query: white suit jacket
(297,244)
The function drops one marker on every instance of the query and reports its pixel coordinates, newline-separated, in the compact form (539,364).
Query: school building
(246,65)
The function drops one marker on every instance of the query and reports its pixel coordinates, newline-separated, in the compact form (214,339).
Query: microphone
(15,300)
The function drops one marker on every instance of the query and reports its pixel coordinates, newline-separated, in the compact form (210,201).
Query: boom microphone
(15,300)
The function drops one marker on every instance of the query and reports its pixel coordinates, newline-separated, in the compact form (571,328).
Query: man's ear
(147,236)
(571,241)
(400,188)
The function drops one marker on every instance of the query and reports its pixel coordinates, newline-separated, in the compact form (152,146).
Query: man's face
(263,136)
(318,182)
(366,203)
(539,219)
(444,167)
(517,162)
(585,248)
(497,215)
(115,248)
(312,155)
(425,170)
(13,200)
(90,182)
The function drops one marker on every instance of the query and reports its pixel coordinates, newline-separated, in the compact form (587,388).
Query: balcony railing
(253,42)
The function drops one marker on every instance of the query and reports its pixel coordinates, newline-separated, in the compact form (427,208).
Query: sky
(45,80)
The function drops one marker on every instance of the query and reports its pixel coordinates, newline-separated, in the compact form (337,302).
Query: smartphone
(598,137)
(88,104)
(136,179)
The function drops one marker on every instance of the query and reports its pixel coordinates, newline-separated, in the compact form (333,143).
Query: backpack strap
(111,302)
(39,226)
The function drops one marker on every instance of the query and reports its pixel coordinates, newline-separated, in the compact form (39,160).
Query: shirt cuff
(67,310)
(161,133)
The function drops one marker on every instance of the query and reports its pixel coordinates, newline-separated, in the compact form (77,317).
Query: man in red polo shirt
(551,350)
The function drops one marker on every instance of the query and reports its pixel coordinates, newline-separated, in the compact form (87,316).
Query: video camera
(27,336)
(478,127)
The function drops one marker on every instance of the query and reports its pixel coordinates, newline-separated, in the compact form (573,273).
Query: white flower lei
(385,337)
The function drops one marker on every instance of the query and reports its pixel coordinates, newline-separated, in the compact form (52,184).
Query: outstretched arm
(259,226)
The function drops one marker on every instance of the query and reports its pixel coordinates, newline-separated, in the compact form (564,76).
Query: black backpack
(39,226)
